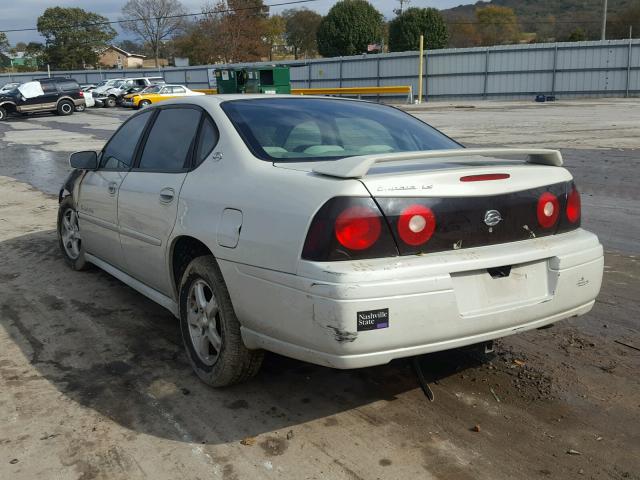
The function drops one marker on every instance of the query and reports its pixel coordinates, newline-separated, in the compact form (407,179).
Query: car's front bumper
(434,302)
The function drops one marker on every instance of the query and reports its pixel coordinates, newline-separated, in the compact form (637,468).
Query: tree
(275,27)
(577,35)
(153,21)
(229,31)
(349,27)
(4,42)
(406,28)
(36,51)
(301,29)
(462,32)
(497,25)
(73,36)
(131,46)
(618,25)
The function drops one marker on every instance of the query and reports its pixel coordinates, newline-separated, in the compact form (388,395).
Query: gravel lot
(94,383)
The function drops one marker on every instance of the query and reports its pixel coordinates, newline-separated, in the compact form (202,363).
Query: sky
(24,13)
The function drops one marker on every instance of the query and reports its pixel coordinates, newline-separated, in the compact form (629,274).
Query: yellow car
(157,94)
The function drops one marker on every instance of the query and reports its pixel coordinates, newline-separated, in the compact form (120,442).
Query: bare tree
(153,21)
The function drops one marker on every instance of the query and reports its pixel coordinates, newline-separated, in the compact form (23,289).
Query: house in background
(114,57)
(20,59)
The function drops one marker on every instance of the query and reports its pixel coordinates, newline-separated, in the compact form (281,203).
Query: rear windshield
(309,129)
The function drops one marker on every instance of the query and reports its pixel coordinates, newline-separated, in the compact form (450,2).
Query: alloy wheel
(70,234)
(203,318)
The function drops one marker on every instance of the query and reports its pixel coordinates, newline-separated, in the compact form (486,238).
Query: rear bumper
(434,302)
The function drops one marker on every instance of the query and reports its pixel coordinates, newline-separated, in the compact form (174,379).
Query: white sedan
(338,232)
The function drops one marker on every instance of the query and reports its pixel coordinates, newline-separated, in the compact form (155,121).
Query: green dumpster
(254,80)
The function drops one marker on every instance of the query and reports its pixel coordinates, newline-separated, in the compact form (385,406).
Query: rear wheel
(144,103)
(3,114)
(210,328)
(69,238)
(65,107)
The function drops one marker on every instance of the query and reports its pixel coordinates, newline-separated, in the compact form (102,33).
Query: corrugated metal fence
(581,69)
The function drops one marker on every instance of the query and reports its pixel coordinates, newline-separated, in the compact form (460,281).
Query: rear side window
(207,141)
(68,86)
(119,152)
(171,140)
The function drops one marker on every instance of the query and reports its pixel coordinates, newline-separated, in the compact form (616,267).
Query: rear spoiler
(358,167)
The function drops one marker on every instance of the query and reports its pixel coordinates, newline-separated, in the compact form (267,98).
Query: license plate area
(498,288)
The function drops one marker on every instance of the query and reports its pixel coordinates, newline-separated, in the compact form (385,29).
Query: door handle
(166,195)
(113,187)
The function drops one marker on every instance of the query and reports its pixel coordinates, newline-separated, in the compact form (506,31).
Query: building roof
(125,53)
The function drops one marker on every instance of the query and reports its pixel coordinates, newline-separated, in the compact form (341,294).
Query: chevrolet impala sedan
(338,232)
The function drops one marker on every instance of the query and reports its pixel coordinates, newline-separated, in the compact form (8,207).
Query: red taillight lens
(358,227)
(81,93)
(416,224)
(548,210)
(485,177)
(573,205)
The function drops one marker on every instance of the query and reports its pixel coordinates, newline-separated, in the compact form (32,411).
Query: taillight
(358,227)
(573,205)
(416,224)
(548,210)
(348,228)
(485,177)
(81,93)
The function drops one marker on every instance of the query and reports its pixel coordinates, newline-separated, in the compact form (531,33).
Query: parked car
(111,95)
(57,95)
(338,232)
(156,94)
(7,87)
(88,100)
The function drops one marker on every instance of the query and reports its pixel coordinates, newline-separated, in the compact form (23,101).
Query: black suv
(58,95)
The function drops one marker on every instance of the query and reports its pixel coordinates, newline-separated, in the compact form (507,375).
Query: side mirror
(84,160)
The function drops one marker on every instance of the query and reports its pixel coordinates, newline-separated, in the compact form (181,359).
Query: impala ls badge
(492,218)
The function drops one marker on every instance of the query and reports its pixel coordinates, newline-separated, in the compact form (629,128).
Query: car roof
(218,99)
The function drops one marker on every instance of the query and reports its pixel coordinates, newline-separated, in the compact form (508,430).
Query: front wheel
(110,102)
(144,103)
(69,237)
(81,108)
(210,328)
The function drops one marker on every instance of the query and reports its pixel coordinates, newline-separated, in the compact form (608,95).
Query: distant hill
(561,16)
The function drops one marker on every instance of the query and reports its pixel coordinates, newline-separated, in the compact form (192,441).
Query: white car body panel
(254,216)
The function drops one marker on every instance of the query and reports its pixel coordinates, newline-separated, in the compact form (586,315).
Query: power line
(182,15)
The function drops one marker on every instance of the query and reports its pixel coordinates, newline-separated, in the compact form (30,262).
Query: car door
(148,199)
(47,101)
(98,194)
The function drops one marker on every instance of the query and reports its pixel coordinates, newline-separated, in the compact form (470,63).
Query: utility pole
(398,11)
(604,22)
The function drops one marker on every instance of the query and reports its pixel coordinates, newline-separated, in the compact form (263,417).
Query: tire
(65,107)
(210,328)
(68,233)
(110,102)
(144,103)
(3,114)
(81,108)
